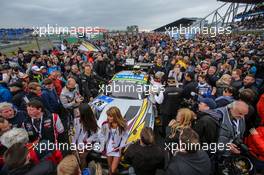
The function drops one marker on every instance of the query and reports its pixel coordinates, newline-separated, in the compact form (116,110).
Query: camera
(239,143)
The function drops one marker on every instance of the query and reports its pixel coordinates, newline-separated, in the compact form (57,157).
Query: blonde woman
(115,134)
(69,166)
(176,73)
(184,119)
(222,83)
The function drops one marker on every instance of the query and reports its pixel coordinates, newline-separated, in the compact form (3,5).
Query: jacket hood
(213,113)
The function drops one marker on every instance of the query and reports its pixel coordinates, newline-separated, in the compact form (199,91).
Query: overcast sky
(111,14)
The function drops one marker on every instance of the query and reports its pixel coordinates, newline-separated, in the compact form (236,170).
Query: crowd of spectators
(220,81)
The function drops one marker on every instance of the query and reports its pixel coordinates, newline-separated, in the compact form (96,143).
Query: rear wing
(132,65)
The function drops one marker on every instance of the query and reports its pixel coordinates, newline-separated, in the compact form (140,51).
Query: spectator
(176,73)
(250,67)
(260,106)
(249,82)
(236,79)
(50,98)
(14,117)
(140,155)
(17,162)
(36,74)
(157,89)
(18,93)
(70,97)
(34,93)
(184,119)
(100,65)
(226,98)
(232,117)
(69,166)
(89,85)
(212,76)
(172,97)
(189,160)
(158,67)
(189,85)
(249,97)
(207,123)
(222,83)
(5,94)
(255,143)
(110,69)
(75,73)
(203,88)
(54,76)
(41,124)
(4,127)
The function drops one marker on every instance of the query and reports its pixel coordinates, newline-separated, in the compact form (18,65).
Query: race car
(128,91)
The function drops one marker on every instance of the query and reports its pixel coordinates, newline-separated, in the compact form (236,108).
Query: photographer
(232,127)
(70,97)
(14,76)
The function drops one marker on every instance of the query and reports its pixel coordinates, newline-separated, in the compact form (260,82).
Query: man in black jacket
(170,104)
(207,125)
(89,86)
(144,156)
(18,93)
(190,85)
(250,82)
(226,98)
(17,162)
(100,65)
(190,159)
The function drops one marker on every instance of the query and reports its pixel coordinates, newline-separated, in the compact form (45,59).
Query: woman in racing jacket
(115,136)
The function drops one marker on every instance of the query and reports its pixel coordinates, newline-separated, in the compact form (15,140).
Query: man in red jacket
(255,141)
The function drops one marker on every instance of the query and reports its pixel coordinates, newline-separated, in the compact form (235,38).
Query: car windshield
(127,89)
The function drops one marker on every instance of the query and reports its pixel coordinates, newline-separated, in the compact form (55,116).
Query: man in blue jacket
(5,94)
(14,116)
(50,97)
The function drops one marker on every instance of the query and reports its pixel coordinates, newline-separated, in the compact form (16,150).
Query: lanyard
(40,126)
(112,135)
(236,124)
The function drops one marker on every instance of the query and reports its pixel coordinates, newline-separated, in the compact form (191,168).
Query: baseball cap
(208,101)
(35,68)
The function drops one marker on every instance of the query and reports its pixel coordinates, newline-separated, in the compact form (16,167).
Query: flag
(86,46)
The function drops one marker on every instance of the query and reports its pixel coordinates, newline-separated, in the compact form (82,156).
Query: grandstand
(241,15)
(14,34)
(184,22)
(251,19)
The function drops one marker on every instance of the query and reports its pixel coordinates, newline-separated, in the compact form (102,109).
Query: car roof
(131,76)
